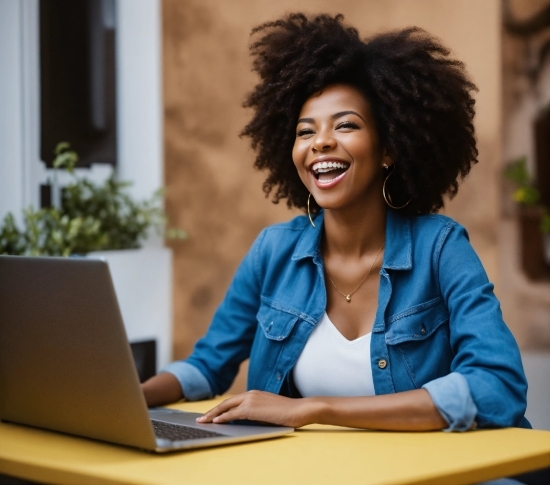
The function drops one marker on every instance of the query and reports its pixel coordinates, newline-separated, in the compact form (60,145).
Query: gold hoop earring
(308,212)
(387,197)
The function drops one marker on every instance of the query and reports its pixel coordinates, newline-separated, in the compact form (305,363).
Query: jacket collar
(309,244)
(398,251)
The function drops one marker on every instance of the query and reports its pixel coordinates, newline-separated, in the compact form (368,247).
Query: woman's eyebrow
(344,113)
(333,117)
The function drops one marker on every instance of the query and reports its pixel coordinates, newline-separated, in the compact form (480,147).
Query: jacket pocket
(418,344)
(276,324)
(417,323)
(272,348)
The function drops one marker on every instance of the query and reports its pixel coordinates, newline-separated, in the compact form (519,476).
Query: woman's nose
(323,141)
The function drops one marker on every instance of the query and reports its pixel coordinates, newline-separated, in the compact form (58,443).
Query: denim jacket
(438,324)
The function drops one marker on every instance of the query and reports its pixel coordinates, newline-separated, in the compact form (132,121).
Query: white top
(332,365)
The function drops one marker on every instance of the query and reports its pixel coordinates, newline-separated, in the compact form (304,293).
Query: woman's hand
(264,407)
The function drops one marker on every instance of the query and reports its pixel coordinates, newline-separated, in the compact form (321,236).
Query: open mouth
(326,172)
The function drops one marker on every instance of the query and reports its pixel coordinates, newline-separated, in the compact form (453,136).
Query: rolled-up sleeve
(193,383)
(453,399)
(486,354)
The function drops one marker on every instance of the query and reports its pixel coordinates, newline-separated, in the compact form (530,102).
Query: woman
(372,309)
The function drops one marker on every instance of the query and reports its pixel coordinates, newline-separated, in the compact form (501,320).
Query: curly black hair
(420,99)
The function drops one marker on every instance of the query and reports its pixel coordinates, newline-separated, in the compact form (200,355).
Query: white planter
(143,283)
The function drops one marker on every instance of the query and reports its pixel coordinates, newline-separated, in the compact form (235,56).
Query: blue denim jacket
(438,324)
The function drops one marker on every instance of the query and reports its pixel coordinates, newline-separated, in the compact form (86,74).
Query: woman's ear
(387,162)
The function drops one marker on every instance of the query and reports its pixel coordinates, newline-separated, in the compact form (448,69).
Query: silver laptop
(66,364)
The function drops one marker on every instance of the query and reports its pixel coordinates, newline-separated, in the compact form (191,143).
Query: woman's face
(337,151)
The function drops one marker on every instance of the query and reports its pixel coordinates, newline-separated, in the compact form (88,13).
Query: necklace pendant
(348,298)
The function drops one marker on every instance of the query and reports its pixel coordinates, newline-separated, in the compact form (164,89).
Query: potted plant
(534,222)
(85,217)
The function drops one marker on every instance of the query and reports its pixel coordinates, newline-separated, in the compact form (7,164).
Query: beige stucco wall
(212,190)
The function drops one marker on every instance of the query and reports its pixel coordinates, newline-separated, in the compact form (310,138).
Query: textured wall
(212,190)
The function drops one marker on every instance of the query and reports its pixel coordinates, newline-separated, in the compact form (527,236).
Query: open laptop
(66,364)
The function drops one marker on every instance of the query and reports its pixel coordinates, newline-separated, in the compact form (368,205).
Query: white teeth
(323,167)
(322,182)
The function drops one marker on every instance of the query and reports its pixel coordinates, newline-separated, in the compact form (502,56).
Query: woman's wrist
(314,410)
(162,389)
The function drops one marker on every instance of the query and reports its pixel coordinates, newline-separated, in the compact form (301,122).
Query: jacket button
(279,377)
(422,330)
(382,363)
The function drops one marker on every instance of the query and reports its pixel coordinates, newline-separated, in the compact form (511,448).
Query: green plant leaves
(123,221)
(525,193)
(517,172)
(64,157)
(91,218)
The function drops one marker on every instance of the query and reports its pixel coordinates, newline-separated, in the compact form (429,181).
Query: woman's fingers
(221,408)
(259,406)
(232,414)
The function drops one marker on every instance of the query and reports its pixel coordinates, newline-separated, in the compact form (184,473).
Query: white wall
(21,171)
(11,168)
(139,95)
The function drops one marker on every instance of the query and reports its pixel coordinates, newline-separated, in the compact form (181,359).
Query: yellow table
(315,454)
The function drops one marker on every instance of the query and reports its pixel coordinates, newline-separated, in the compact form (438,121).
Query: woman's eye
(348,124)
(304,132)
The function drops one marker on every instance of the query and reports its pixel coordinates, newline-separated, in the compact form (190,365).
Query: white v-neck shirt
(332,365)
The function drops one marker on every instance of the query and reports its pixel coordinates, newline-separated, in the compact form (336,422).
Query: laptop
(66,364)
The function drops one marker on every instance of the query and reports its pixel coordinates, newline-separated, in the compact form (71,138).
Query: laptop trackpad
(185,418)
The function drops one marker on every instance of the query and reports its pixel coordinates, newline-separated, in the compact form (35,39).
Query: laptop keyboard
(180,432)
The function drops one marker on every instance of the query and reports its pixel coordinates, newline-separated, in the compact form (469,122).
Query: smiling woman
(374,311)
(337,147)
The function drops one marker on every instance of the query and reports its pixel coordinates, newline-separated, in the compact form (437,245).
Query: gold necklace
(348,296)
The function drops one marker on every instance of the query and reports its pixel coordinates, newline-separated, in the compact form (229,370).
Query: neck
(354,232)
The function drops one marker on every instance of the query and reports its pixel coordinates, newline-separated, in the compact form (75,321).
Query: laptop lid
(66,364)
